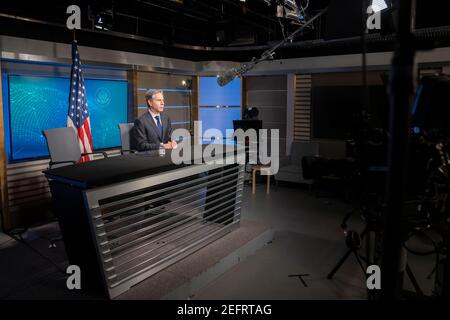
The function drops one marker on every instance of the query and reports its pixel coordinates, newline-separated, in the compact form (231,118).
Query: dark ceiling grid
(197,29)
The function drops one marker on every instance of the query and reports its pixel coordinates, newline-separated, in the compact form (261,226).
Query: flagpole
(78,116)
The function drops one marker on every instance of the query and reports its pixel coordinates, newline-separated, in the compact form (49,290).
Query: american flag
(78,115)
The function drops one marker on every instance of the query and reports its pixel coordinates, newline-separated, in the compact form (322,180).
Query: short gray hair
(150,94)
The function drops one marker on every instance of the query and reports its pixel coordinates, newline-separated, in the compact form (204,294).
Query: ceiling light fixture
(102,18)
(379,5)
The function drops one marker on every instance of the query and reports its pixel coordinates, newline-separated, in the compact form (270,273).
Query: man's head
(155,100)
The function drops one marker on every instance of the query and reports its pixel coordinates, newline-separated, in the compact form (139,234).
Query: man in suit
(152,128)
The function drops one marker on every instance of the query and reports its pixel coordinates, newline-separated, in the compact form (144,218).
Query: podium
(128,217)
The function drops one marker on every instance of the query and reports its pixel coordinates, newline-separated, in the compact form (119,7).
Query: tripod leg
(432,272)
(413,280)
(359,262)
(346,255)
(339,264)
(370,248)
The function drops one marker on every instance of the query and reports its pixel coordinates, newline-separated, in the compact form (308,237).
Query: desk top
(116,169)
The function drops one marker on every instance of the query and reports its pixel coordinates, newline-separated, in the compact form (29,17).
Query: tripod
(353,241)
(369,208)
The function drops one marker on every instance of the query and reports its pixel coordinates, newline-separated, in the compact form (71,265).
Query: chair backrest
(125,135)
(62,144)
(302,149)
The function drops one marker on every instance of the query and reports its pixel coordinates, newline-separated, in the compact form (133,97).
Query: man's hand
(170,145)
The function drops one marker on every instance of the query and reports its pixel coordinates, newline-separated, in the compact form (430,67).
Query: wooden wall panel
(269,95)
(302,108)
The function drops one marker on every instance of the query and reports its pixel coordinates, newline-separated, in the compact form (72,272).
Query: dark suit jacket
(146,135)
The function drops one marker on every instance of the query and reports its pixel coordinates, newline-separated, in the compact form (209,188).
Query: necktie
(158,123)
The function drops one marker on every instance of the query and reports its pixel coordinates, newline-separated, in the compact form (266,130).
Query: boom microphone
(229,75)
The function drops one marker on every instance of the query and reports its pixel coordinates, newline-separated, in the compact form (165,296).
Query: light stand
(401,89)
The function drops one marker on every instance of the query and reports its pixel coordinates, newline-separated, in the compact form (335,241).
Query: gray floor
(307,240)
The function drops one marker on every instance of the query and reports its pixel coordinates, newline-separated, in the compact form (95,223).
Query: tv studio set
(224,150)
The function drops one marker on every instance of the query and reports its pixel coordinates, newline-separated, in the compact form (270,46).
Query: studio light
(280,11)
(102,16)
(290,5)
(379,5)
(104,20)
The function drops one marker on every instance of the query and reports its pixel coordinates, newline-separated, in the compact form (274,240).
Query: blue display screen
(39,103)
(211,94)
(219,118)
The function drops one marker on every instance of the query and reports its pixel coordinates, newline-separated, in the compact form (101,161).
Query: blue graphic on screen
(38,103)
(211,94)
(7,133)
(107,101)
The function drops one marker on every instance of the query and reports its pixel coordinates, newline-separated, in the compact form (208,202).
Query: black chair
(63,147)
(125,132)
(64,150)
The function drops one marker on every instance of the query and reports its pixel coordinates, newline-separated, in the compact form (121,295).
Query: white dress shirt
(154,115)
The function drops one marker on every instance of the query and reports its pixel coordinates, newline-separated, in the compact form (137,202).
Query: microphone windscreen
(227,77)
